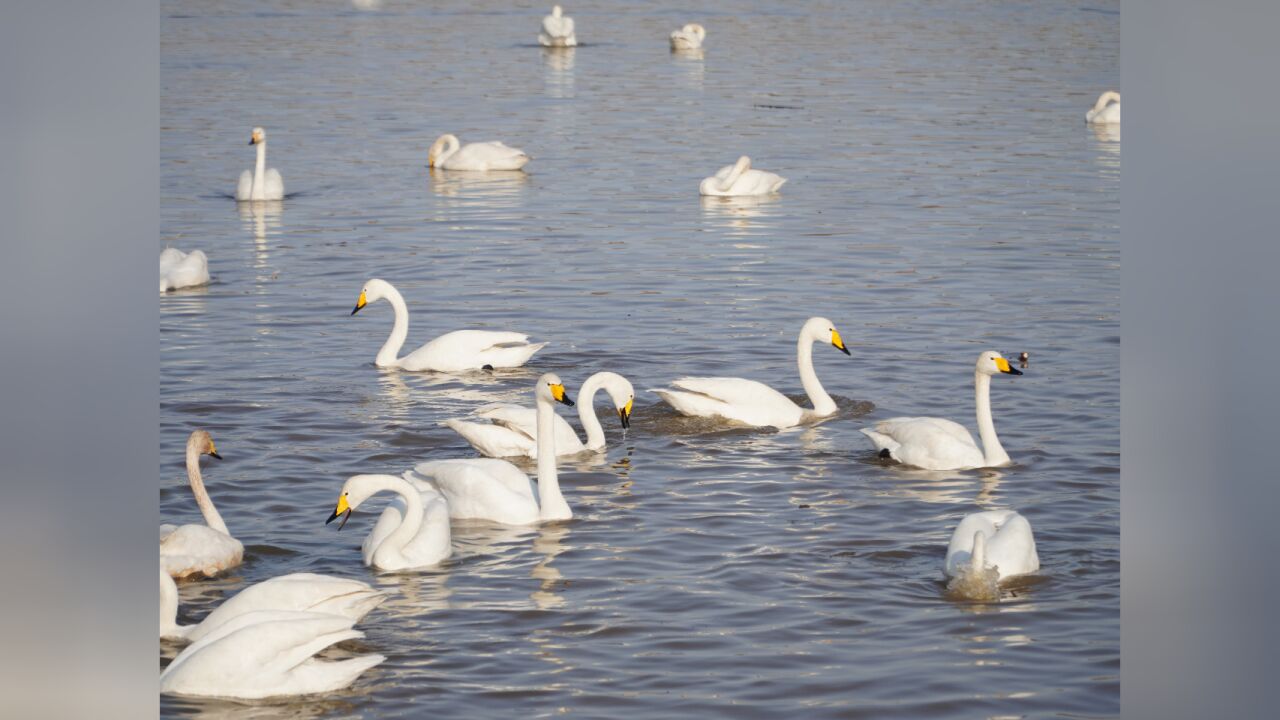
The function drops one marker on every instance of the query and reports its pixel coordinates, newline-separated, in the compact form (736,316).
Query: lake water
(945,197)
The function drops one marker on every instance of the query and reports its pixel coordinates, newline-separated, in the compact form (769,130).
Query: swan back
(999,539)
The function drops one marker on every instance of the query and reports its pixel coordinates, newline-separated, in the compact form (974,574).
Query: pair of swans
(182,270)
(452,352)
(740,179)
(412,532)
(1106,111)
(557,30)
(512,430)
(262,183)
(199,549)
(447,153)
(988,547)
(689,37)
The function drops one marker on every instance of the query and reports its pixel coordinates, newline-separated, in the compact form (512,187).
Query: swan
(295,592)
(412,532)
(753,403)
(266,654)
(182,270)
(262,183)
(208,548)
(1106,111)
(496,490)
(937,444)
(513,429)
(448,154)
(995,539)
(451,352)
(689,37)
(739,179)
(557,30)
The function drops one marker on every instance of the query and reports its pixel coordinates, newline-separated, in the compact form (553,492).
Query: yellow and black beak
(838,343)
(213,452)
(624,414)
(558,392)
(1003,366)
(342,508)
(360,302)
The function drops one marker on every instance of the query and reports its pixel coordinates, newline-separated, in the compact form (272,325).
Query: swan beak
(838,343)
(250,141)
(558,392)
(624,414)
(343,507)
(360,302)
(214,453)
(1003,366)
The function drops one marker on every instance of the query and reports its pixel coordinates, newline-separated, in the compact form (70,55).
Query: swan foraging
(938,444)
(182,270)
(261,183)
(557,30)
(689,37)
(995,539)
(739,179)
(513,429)
(754,403)
(206,549)
(498,491)
(412,532)
(1106,111)
(451,352)
(448,153)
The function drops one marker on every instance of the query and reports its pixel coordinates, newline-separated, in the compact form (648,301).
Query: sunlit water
(945,197)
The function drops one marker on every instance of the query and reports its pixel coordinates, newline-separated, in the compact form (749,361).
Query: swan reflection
(558,77)
(742,216)
(261,218)
(549,543)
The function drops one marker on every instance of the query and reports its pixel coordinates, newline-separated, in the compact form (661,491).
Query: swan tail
(317,676)
(512,356)
(882,442)
(477,435)
(354,605)
(688,403)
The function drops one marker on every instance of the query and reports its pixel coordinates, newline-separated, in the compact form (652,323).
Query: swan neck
(739,167)
(978,556)
(169,627)
(260,173)
(210,513)
(587,413)
(412,523)
(1105,98)
(822,402)
(389,354)
(551,503)
(992,451)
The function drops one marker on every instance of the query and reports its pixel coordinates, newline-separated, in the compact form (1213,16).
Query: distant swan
(557,30)
(1106,111)
(513,429)
(412,532)
(206,549)
(451,352)
(740,179)
(262,183)
(689,37)
(181,270)
(938,444)
(754,403)
(995,539)
(448,154)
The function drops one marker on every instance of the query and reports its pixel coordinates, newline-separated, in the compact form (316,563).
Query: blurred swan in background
(262,183)
(689,37)
(1106,111)
(557,30)
(206,549)
(449,154)
(181,270)
(740,179)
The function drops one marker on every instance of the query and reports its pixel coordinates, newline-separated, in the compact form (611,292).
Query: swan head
(551,389)
(820,329)
(203,444)
(993,363)
(257,136)
(373,291)
(556,11)
(622,393)
(355,491)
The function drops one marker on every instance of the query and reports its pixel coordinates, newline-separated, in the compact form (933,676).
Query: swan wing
(928,443)
(1011,547)
(525,421)
(296,592)
(746,401)
(482,488)
(274,184)
(491,155)
(180,270)
(244,188)
(198,549)
(493,440)
(472,350)
(433,543)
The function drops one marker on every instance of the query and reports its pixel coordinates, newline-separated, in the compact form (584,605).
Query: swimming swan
(557,30)
(295,592)
(451,352)
(496,490)
(754,403)
(513,429)
(181,270)
(1104,113)
(448,154)
(262,183)
(208,548)
(689,37)
(413,531)
(938,444)
(995,539)
(739,179)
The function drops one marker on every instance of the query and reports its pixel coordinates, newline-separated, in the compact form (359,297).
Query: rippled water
(945,197)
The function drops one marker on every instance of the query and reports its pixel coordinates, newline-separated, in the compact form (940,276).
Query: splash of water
(975,584)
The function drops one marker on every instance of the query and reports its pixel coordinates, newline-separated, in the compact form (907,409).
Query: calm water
(945,197)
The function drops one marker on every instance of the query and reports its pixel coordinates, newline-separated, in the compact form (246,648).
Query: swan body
(689,37)
(182,270)
(512,430)
(995,539)
(498,491)
(1106,111)
(448,153)
(557,30)
(199,549)
(938,444)
(754,403)
(412,532)
(739,179)
(452,352)
(261,183)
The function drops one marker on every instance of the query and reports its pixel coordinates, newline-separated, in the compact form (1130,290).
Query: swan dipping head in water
(689,37)
(1106,111)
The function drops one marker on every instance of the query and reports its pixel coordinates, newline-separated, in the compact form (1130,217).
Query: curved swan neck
(587,413)
(822,402)
(210,513)
(551,504)
(260,173)
(992,451)
(743,165)
(169,627)
(1105,98)
(978,556)
(388,355)
(412,523)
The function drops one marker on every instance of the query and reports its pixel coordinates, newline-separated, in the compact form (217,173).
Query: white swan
(451,352)
(182,270)
(557,30)
(513,429)
(264,654)
(938,444)
(689,37)
(754,403)
(995,539)
(296,592)
(412,532)
(208,549)
(739,179)
(262,183)
(449,154)
(1106,111)
(496,490)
